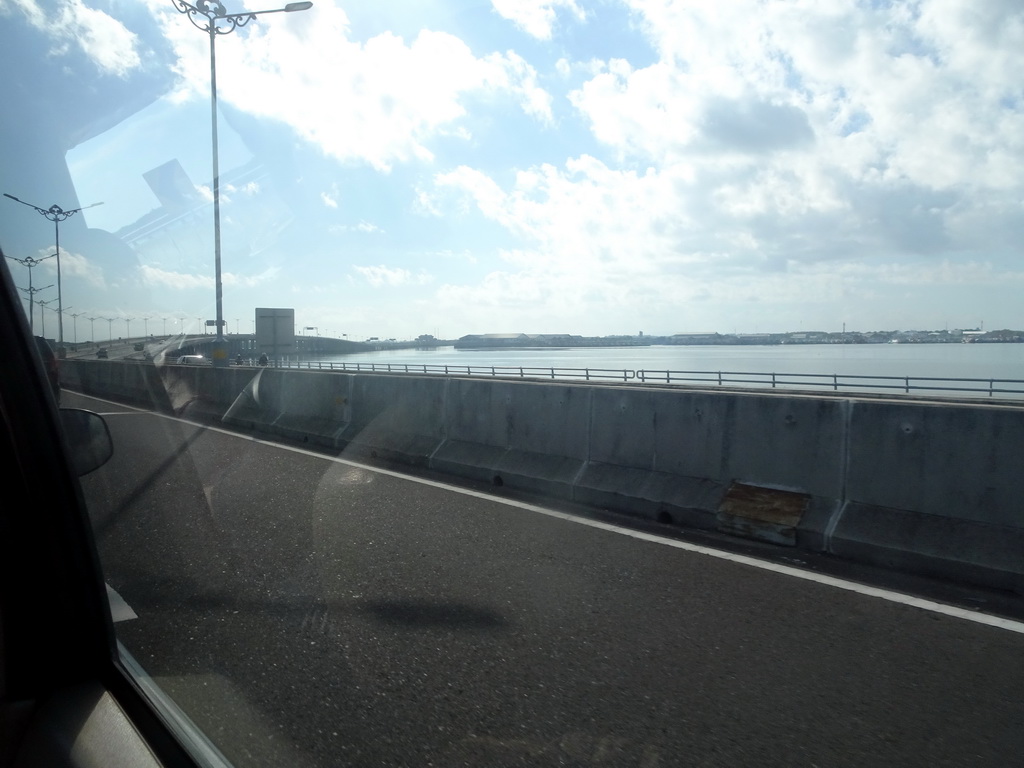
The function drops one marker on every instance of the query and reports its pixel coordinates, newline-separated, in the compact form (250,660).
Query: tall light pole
(30,263)
(92,331)
(31,302)
(110,328)
(211,17)
(42,316)
(128,327)
(56,214)
(75,316)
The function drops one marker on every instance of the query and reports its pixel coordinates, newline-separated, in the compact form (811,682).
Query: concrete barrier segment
(128,382)
(934,545)
(526,435)
(957,461)
(395,418)
(257,405)
(314,408)
(659,496)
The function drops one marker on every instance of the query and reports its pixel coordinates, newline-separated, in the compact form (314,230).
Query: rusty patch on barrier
(766,514)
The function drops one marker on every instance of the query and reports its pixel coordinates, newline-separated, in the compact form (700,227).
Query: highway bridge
(308,608)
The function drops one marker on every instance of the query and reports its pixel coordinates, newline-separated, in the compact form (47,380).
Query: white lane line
(119,609)
(766,565)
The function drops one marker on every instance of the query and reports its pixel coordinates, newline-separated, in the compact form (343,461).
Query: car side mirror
(88,439)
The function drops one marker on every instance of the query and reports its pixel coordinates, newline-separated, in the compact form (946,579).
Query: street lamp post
(56,214)
(31,301)
(128,327)
(211,17)
(31,263)
(60,317)
(110,328)
(42,316)
(74,323)
(92,330)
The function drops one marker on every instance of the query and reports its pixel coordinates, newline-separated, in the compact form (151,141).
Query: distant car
(192,360)
(101,353)
(50,364)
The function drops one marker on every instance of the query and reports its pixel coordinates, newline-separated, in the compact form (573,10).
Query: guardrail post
(906,382)
(719,378)
(991,383)
(835,383)
(773,380)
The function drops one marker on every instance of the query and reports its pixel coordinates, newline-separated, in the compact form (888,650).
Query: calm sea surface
(983,361)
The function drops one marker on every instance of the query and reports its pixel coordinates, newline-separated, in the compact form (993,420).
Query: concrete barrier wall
(933,488)
(394,418)
(529,435)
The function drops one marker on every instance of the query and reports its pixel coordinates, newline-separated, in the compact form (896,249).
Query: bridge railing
(495,371)
(838,381)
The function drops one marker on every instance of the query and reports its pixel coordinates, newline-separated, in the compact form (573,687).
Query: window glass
(425,203)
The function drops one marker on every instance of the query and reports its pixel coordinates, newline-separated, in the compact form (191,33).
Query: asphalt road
(307,611)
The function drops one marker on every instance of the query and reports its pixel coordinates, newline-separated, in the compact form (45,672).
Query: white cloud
(763,153)
(110,45)
(156,277)
(366,227)
(623,244)
(536,17)
(75,265)
(380,276)
(381,101)
(880,93)
(161,278)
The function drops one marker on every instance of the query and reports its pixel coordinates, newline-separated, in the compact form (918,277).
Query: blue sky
(392,169)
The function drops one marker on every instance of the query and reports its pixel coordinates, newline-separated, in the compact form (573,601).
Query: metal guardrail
(838,381)
(835,381)
(494,371)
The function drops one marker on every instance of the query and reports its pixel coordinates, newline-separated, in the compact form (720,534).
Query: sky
(538,166)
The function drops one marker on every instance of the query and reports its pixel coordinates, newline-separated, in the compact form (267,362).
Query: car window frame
(56,632)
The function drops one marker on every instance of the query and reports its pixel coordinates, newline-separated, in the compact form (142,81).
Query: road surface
(305,610)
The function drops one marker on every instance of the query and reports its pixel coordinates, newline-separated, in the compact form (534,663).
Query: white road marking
(119,609)
(832,581)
